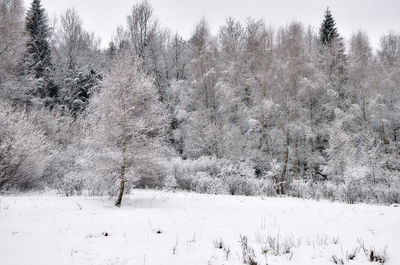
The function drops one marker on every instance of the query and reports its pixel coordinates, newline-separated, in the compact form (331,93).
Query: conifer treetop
(36,20)
(328,30)
(37,56)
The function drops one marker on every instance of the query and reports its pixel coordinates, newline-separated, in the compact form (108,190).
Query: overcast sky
(376,17)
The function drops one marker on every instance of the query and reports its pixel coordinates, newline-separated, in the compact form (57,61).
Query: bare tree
(12,40)
(127,115)
(73,43)
(142,27)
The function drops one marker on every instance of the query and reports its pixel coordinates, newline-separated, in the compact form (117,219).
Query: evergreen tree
(328,30)
(334,61)
(78,89)
(38,57)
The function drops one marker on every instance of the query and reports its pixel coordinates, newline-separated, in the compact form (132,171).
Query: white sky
(376,17)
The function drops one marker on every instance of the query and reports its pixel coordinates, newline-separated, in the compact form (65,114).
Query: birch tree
(127,118)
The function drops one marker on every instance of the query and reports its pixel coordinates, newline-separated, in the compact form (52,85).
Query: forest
(252,110)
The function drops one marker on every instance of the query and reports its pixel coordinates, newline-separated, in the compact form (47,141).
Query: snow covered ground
(162,228)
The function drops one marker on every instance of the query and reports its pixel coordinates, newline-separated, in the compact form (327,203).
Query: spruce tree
(335,62)
(38,55)
(328,30)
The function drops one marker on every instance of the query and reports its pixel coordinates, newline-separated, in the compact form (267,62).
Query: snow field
(156,227)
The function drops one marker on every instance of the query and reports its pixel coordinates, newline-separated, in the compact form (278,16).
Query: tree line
(251,110)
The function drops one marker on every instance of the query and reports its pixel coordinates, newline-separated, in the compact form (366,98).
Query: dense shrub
(352,192)
(388,195)
(24,149)
(240,179)
(71,184)
(201,182)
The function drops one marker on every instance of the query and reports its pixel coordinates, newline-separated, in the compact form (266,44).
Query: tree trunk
(297,161)
(384,139)
(124,143)
(122,178)
(281,187)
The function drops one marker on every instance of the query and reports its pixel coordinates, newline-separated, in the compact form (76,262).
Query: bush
(268,187)
(238,185)
(72,184)
(202,182)
(298,188)
(218,176)
(24,150)
(150,174)
(311,189)
(240,179)
(352,192)
(388,195)
(329,191)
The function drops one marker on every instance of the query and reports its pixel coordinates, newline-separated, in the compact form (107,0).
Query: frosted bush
(204,183)
(170,182)
(329,191)
(219,176)
(24,149)
(185,182)
(238,185)
(240,179)
(388,195)
(148,175)
(352,192)
(72,184)
(201,182)
(298,188)
(312,189)
(268,187)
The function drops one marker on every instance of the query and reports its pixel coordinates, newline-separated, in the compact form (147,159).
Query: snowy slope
(48,229)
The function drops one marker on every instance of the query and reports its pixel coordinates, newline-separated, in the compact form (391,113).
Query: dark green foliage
(38,56)
(86,82)
(328,30)
(334,60)
(38,50)
(77,89)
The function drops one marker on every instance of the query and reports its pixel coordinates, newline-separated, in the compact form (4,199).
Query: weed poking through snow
(372,254)
(337,260)
(248,254)
(218,243)
(175,246)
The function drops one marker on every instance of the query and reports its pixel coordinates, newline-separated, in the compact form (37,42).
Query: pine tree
(328,30)
(334,58)
(38,56)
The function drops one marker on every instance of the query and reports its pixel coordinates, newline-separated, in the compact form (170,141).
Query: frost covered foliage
(351,192)
(251,110)
(218,176)
(125,126)
(11,36)
(197,175)
(24,150)
(63,172)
